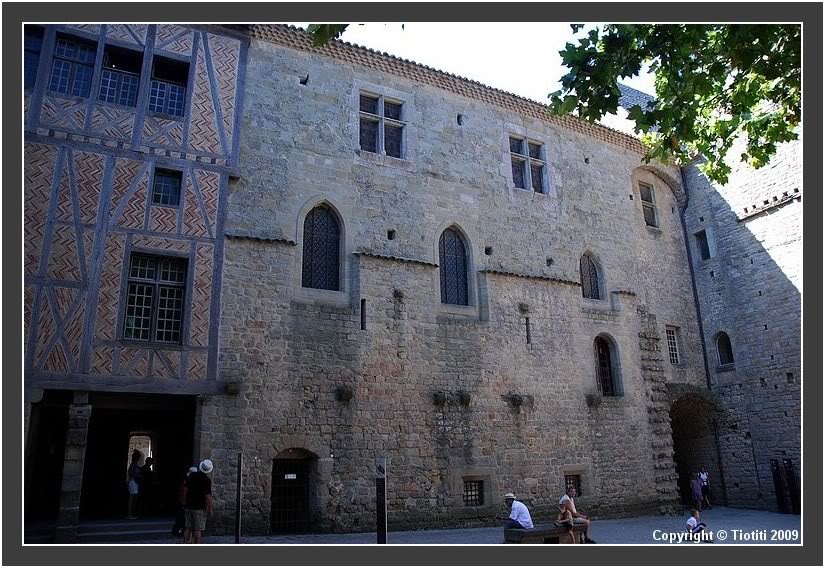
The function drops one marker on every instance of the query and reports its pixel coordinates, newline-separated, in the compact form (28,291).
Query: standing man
(519,515)
(134,475)
(197,502)
(703,477)
(578,518)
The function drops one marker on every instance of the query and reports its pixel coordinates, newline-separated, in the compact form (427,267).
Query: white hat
(206,466)
(192,469)
(509,496)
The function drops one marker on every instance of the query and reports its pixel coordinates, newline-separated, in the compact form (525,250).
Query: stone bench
(550,533)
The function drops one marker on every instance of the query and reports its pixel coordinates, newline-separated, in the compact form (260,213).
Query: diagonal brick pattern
(65,207)
(28,301)
(173,38)
(201,294)
(58,360)
(64,260)
(225,54)
(87,28)
(102,360)
(160,243)
(163,219)
(133,214)
(63,114)
(125,172)
(89,175)
(197,366)
(203,136)
(193,223)
(132,33)
(134,362)
(73,332)
(163,131)
(113,122)
(109,292)
(64,298)
(208,185)
(38,167)
(46,329)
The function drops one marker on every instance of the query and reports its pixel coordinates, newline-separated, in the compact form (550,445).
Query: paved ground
(638,530)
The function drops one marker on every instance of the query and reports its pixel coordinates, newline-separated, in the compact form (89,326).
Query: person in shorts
(197,502)
(565,521)
(134,475)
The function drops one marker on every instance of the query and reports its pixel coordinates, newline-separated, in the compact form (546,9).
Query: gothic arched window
(322,245)
(589,277)
(452,261)
(607,368)
(724,349)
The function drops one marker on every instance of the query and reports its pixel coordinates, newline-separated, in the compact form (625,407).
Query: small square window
(535,150)
(167,94)
(368,134)
(166,188)
(516,145)
(518,173)
(120,76)
(573,481)
(528,169)
(72,66)
(473,493)
(381,130)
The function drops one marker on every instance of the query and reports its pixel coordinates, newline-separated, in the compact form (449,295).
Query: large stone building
(380,260)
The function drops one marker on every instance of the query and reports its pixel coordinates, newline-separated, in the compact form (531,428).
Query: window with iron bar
(473,493)
(573,481)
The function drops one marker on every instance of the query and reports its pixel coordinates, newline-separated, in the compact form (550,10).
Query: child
(694,526)
(565,520)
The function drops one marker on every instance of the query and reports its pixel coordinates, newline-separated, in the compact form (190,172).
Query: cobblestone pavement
(637,530)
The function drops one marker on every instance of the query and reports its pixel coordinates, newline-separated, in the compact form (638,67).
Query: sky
(521,58)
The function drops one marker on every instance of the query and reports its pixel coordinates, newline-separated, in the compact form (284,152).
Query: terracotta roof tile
(296,38)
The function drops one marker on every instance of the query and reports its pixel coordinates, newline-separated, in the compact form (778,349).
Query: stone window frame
(720,366)
(617,379)
(382,93)
(471,310)
(677,347)
(514,130)
(527,160)
(710,241)
(336,298)
(585,477)
(649,205)
(600,272)
(485,474)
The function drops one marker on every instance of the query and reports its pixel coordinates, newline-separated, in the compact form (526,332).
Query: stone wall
(411,369)
(750,289)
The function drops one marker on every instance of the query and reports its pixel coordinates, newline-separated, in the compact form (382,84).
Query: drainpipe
(701,332)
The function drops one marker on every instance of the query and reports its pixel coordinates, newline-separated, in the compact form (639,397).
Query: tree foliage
(322,33)
(714,84)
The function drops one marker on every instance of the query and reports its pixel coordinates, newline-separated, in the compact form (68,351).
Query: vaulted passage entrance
(293,479)
(694,445)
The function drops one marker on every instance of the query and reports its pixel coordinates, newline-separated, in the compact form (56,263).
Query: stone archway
(694,413)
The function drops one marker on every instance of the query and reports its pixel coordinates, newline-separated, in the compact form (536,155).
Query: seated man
(578,518)
(519,515)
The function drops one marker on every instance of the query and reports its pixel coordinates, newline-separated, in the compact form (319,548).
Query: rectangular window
(381,128)
(648,204)
(672,334)
(167,94)
(154,302)
(120,77)
(528,169)
(72,66)
(473,493)
(166,188)
(32,44)
(702,244)
(573,481)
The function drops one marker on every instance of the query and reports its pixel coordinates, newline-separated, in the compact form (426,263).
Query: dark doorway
(292,479)
(43,473)
(694,445)
(160,425)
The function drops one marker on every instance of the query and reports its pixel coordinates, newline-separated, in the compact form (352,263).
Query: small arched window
(589,277)
(607,368)
(452,261)
(724,349)
(322,249)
